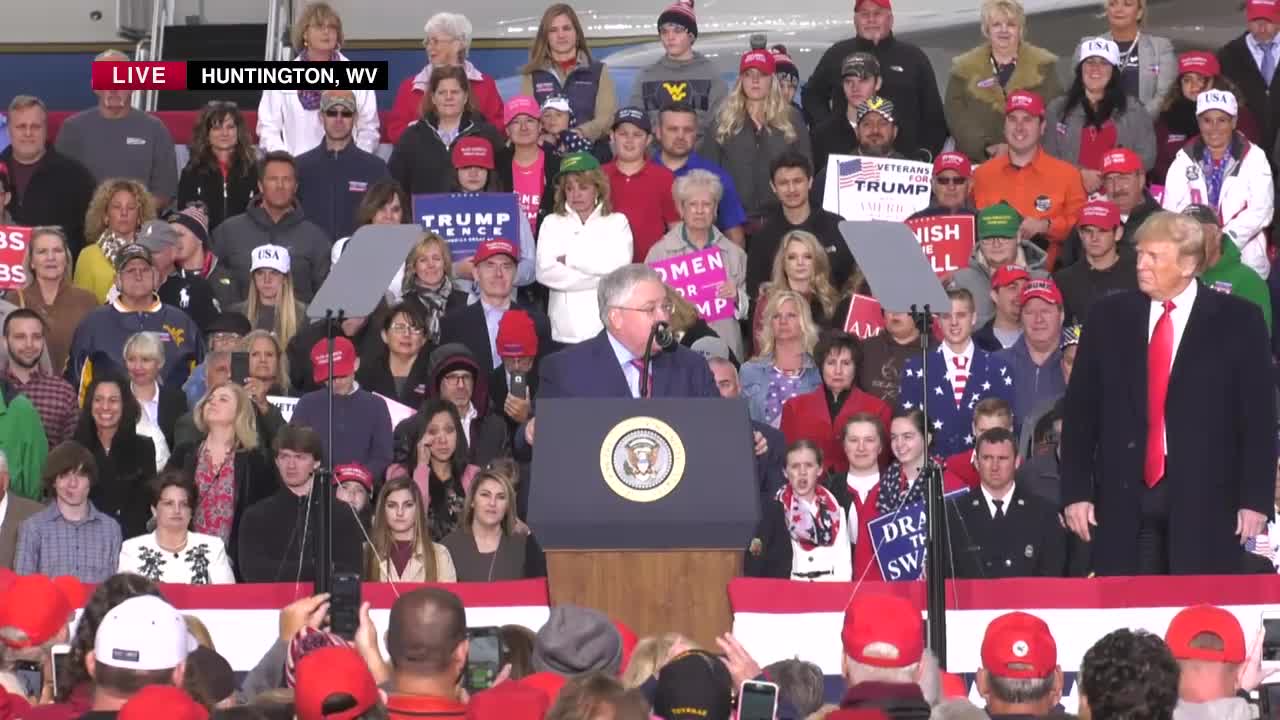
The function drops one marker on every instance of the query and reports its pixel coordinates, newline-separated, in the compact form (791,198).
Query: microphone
(663,336)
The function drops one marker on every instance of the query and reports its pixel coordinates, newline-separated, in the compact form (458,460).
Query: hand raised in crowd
(257,391)
(1250,523)
(742,667)
(517,409)
(304,612)
(1251,675)
(503,675)
(1080,518)
(366,642)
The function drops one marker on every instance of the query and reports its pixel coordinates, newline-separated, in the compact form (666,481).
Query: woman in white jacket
(1225,171)
(290,119)
(583,241)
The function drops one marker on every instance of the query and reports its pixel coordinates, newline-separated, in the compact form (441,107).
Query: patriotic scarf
(807,529)
(898,491)
(1214,173)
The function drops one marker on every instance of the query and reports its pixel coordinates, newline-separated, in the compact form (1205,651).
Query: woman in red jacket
(448,38)
(820,415)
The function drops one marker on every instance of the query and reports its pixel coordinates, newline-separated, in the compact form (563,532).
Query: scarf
(434,301)
(111,244)
(310,99)
(1214,173)
(898,491)
(809,530)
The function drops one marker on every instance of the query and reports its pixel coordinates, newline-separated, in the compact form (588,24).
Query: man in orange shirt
(1046,191)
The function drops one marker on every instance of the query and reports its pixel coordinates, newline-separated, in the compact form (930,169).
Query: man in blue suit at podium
(632,299)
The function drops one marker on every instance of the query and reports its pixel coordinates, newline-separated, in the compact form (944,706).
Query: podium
(645,507)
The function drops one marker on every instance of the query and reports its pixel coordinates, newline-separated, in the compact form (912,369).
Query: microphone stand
(935,582)
(324,476)
(660,332)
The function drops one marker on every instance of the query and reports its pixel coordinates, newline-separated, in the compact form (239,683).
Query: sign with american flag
(873,188)
(1261,545)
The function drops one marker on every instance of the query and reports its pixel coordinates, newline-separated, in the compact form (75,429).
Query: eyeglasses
(666,307)
(997,240)
(459,378)
(333,113)
(407,329)
(952,181)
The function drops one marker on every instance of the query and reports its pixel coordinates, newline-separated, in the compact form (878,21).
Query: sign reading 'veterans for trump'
(866,188)
(465,220)
(697,277)
(13,249)
(900,540)
(947,241)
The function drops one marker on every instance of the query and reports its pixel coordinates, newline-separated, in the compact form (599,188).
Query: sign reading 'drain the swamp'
(947,241)
(13,248)
(465,220)
(696,276)
(867,188)
(900,540)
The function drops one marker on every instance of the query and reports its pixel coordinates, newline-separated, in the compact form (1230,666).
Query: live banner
(947,241)
(867,188)
(13,250)
(465,220)
(900,539)
(865,319)
(696,276)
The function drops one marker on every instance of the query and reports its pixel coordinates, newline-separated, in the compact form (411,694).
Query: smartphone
(31,677)
(1270,640)
(484,658)
(239,367)
(61,664)
(344,605)
(757,701)
(519,386)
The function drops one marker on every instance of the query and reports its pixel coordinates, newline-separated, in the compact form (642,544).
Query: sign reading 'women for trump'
(465,220)
(697,277)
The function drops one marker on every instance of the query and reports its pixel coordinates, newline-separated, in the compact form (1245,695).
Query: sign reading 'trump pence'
(697,277)
(465,220)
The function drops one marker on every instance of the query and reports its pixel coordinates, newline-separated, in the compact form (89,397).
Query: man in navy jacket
(333,176)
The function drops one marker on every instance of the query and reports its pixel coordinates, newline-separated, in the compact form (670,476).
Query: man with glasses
(458,379)
(99,339)
(333,176)
(952,178)
(476,325)
(997,246)
(361,422)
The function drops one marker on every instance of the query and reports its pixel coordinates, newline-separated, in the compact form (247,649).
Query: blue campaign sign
(900,540)
(465,220)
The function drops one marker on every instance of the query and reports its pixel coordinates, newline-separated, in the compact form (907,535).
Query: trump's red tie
(1159,358)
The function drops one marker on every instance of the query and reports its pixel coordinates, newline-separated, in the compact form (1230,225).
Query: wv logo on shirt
(677,91)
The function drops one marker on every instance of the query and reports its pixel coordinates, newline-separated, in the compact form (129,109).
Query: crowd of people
(165,398)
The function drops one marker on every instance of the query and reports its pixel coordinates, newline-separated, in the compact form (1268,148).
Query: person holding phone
(35,618)
(513,384)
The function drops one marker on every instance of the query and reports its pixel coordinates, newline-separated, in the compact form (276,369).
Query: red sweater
(960,472)
(808,417)
(484,97)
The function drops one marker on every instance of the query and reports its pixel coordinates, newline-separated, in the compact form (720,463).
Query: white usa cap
(272,257)
(1217,100)
(143,633)
(1098,47)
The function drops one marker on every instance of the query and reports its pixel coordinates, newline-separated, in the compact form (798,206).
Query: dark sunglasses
(338,113)
(950,180)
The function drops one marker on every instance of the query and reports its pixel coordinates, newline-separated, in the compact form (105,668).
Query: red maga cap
(1042,289)
(1007,275)
(1263,10)
(1019,645)
(472,151)
(496,246)
(1121,160)
(1201,619)
(761,60)
(891,622)
(952,160)
(1026,101)
(1100,214)
(1204,63)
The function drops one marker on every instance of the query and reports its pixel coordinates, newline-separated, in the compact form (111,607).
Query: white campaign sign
(284,404)
(867,188)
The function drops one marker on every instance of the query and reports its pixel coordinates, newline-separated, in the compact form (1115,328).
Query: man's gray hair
(799,682)
(145,343)
(857,673)
(686,184)
(454,25)
(957,710)
(1020,690)
(717,361)
(616,287)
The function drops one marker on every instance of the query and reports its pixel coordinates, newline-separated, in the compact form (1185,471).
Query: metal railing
(276,26)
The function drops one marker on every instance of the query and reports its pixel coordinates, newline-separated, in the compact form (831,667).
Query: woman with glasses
(401,368)
(290,119)
(223,170)
(697,197)
(580,243)
(996,248)
(447,41)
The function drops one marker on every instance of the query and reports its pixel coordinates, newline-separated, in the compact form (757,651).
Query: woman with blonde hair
(697,195)
(400,547)
(1148,66)
(429,283)
(754,126)
(560,63)
(117,211)
(49,291)
(650,654)
(983,77)
(784,367)
(230,469)
(581,242)
(689,327)
(272,304)
(161,404)
(489,544)
(801,265)
(289,120)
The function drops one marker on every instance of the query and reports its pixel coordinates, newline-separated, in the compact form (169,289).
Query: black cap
(861,64)
(229,322)
(695,685)
(633,115)
(133,251)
